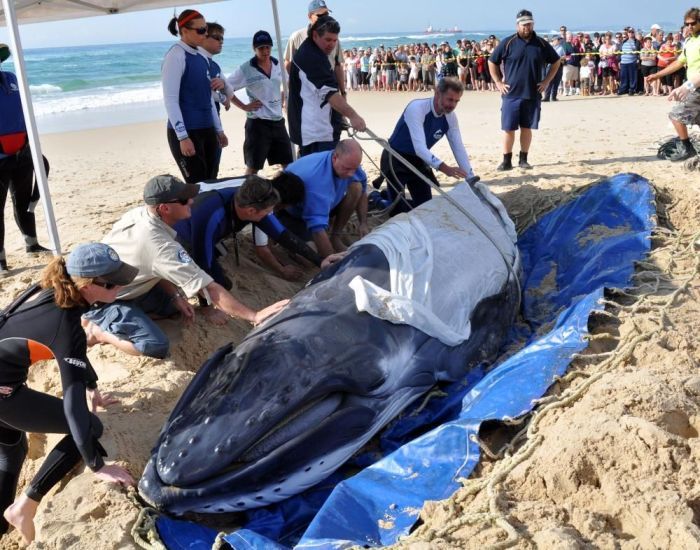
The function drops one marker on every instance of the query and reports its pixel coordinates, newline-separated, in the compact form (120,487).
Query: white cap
(656,27)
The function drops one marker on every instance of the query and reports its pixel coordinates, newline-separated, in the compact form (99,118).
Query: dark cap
(262,38)
(92,260)
(4,52)
(524,16)
(166,188)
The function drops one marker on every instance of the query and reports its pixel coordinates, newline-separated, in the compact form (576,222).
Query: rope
(144,531)
(681,247)
(393,153)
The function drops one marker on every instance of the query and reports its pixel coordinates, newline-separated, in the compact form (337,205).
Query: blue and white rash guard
(420,127)
(187,91)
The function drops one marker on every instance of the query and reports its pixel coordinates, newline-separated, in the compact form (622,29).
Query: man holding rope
(422,124)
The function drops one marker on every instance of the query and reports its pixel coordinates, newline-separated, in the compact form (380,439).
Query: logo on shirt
(438,134)
(75,362)
(184,257)
(13,87)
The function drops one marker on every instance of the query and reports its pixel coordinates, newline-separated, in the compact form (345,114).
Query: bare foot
(22,520)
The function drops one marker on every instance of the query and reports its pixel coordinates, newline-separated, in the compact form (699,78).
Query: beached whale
(307,389)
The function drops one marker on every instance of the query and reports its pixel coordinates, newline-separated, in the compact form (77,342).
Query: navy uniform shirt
(524,62)
(311,84)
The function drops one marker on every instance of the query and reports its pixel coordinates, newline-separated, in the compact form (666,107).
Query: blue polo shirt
(323,188)
(524,62)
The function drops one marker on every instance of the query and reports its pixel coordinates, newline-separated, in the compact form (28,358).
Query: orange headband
(194,15)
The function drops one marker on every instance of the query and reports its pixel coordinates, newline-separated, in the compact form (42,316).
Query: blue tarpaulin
(569,257)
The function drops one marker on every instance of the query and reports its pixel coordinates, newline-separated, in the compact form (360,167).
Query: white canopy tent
(14,12)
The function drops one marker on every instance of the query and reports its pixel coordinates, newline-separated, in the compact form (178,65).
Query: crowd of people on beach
(591,63)
(163,255)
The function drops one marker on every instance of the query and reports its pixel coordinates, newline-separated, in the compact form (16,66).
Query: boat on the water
(430,30)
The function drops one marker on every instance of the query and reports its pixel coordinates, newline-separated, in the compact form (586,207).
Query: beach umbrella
(14,12)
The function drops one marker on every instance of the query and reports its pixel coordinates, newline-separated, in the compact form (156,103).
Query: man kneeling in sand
(335,186)
(167,276)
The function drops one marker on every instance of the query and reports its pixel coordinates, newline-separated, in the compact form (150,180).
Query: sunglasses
(199,30)
(104,284)
(217,37)
(182,202)
(690,23)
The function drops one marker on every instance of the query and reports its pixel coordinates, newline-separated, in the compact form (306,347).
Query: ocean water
(95,86)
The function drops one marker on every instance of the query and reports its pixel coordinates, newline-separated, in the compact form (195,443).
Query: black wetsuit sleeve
(274,229)
(69,349)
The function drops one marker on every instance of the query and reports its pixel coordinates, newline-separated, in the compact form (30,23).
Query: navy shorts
(266,140)
(519,113)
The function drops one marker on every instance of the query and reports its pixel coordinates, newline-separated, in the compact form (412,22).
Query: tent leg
(280,53)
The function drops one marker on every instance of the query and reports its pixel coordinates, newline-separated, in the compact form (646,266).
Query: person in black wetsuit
(45,323)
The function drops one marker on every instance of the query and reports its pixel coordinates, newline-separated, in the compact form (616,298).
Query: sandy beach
(614,468)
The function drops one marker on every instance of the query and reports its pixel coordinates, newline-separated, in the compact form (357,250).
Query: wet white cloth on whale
(441,264)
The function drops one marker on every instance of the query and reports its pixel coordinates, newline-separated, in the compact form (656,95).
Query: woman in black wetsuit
(45,323)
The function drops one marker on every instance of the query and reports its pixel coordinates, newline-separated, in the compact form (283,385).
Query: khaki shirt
(295,41)
(146,242)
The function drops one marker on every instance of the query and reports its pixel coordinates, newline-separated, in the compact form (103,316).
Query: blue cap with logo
(316,5)
(262,38)
(92,260)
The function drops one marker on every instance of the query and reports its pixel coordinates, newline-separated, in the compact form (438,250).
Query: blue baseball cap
(316,5)
(92,260)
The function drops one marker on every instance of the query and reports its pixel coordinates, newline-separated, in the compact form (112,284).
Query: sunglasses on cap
(217,37)
(104,284)
(198,30)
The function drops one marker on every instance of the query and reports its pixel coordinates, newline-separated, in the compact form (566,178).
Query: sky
(357,16)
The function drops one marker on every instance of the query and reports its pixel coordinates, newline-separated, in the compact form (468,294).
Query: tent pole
(280,53)
(30,121)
